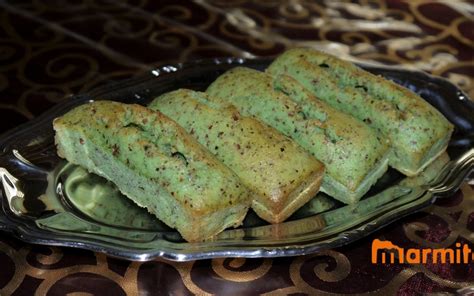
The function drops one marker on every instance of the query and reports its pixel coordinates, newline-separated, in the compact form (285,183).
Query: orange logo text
(395,254)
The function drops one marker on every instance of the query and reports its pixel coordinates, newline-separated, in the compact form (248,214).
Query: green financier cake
(282,175)
(354,155)
(155,163)
(418,132)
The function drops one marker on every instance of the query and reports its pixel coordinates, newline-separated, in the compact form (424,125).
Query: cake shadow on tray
(94,201)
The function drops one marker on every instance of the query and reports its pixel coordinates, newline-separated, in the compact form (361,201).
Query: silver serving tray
(48,201)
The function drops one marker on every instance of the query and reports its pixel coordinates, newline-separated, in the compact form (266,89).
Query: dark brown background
(50,49)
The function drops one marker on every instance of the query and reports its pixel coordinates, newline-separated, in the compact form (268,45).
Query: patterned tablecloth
(50,49)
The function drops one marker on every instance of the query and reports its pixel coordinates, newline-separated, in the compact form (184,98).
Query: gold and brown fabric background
(50,49)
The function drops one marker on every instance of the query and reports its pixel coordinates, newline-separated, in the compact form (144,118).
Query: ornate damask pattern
(50,49)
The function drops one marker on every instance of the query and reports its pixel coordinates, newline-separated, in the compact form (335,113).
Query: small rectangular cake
(354,155)
(155,163)
(417,131)
(282,175)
